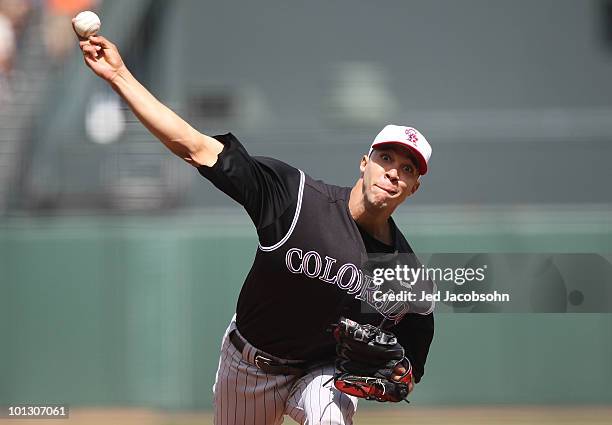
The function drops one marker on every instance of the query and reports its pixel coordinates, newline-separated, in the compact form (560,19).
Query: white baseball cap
(409,137)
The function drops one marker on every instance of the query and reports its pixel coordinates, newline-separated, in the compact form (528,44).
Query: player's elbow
(194,160)
(204,151)
(197,149)
(181,149)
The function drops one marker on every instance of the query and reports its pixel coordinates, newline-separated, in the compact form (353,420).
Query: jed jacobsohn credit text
(409,276)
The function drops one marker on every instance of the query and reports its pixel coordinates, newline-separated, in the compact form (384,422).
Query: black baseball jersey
(306,273)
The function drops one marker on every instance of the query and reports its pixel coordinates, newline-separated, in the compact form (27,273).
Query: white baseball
(87,23)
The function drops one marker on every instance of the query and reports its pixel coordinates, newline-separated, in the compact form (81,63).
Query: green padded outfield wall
(130,311)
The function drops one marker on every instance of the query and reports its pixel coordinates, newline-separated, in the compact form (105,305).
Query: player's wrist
(121,77)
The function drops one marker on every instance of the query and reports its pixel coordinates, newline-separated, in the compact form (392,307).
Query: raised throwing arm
(197,149)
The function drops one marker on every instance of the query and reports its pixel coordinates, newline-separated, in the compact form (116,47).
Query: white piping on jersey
(295,218)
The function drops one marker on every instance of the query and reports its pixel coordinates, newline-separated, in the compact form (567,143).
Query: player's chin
(380,202)
(387,198)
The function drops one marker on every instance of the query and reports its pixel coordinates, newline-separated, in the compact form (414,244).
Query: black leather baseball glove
(367,357)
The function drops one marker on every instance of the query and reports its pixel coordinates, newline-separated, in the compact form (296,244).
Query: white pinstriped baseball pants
(244,395)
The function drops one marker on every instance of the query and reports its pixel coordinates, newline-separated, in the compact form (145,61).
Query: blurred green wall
(130,311)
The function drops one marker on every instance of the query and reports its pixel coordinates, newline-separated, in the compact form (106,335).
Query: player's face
(390,175)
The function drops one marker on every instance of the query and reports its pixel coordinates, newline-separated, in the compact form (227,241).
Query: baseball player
(279,355)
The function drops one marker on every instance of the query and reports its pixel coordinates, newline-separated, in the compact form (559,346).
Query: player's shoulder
(276,164)
(283,175)
(332,192)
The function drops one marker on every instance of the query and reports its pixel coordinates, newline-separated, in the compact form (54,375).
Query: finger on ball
(98,39)
(91,53)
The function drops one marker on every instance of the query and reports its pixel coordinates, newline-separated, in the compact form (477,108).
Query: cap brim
(422,164)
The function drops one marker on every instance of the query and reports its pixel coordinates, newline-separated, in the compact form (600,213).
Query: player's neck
(376,223)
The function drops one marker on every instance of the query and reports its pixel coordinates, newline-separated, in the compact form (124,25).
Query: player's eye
(409,169)
(385,157)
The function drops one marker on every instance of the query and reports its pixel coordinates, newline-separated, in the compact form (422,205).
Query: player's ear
(415,187)
(363,163)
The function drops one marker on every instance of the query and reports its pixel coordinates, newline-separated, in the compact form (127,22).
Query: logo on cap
(412,136)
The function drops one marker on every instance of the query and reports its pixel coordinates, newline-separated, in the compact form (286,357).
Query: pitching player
(277,356)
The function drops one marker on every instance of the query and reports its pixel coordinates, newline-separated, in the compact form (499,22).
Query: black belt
(266,364)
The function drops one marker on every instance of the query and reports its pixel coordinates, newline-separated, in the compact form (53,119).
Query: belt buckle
(259,358)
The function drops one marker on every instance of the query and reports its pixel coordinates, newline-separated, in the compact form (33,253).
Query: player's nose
(392,174)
